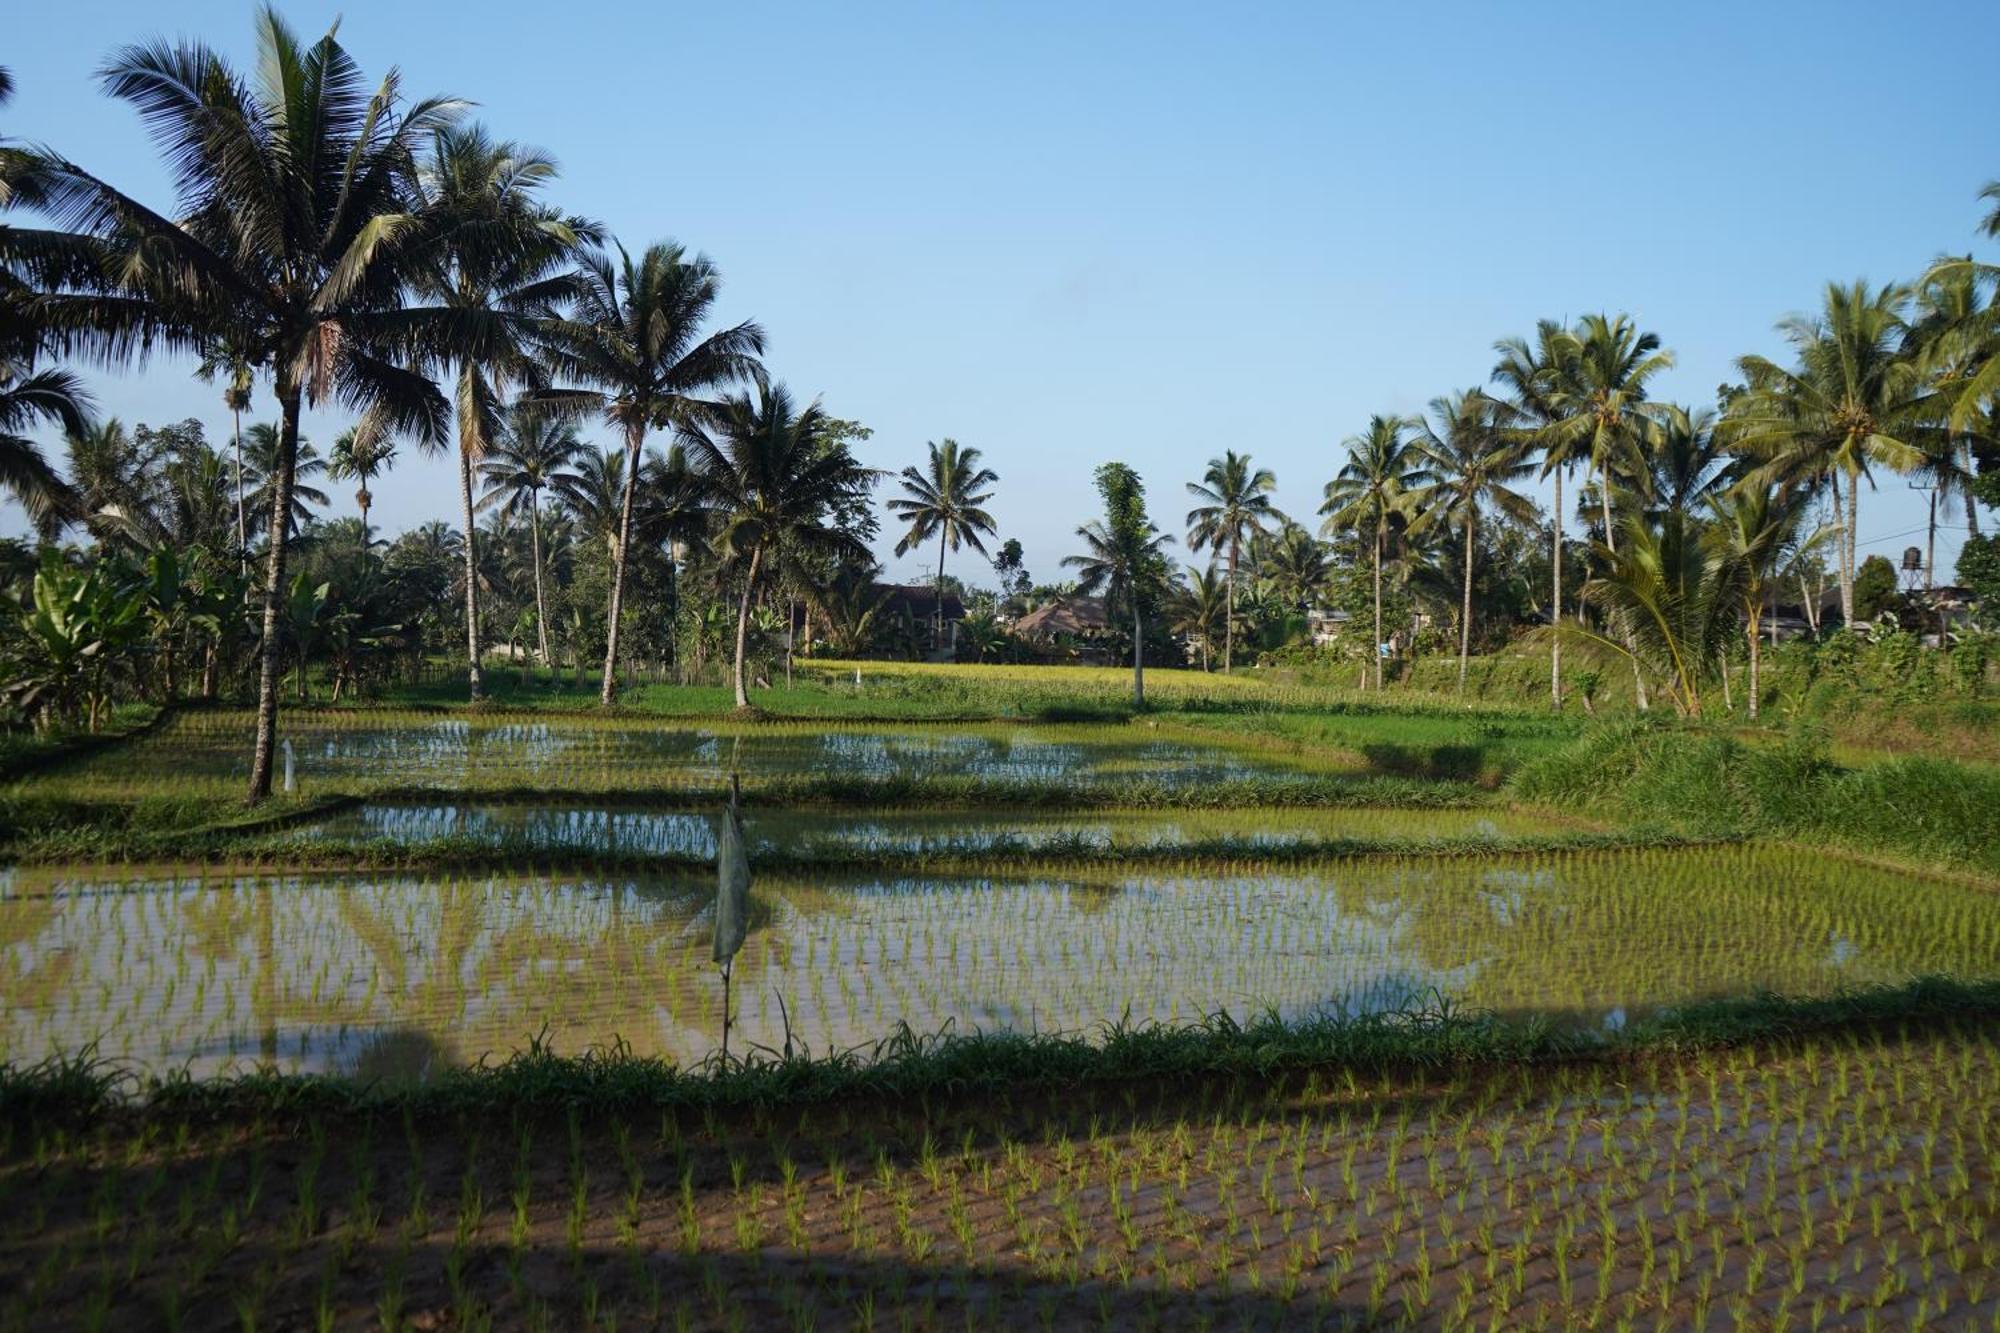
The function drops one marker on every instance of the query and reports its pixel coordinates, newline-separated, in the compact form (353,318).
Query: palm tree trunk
(1465,611)
(541,607)
(1229,614)
(1965,492)
(1755,643)
(242,521)
(937,634)
(1556,605)
(1375,648)
(274,581)
(634,435)
(473,682)
(743,624)
(1847,548)
(1138,655)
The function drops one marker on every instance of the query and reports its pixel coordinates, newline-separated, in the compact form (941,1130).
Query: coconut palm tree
(592,489)
(1236,507)
(1597,402)
(631,342)
(775,480)
(362,453)
(1687,463)
(944,499)
(1669,603)
(1991,226)
(1475,460)
(493,253)
(263,445)
(1291,564)
(287,242)
(1201,603)
(1761,531)
(231,364)
(1124,558)
(1527,370)
(532,456)
(29,397)
(1957,336)
(1855,400)
(1376,486)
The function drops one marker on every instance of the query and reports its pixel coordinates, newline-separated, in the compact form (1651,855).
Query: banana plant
(79,633)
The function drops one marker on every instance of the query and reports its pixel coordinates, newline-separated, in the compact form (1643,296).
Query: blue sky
(1072,233)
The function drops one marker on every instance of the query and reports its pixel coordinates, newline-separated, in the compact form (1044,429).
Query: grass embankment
(1708,782)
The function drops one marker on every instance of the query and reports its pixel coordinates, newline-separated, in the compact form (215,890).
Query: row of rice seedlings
(219,971)
(1846,1182)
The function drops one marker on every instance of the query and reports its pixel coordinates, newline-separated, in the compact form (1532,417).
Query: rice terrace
(513,818)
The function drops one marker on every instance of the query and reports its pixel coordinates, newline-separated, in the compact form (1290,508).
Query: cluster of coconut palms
(1693,513)
(333,242)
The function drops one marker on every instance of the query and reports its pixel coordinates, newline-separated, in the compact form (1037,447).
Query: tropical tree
(1669,602)
(360,454)
(1200,604)
(1856,399)
(493,254)
(1475,460)
(631,342)
(1292,565)
(1527,369)
(945,499)
(29,397)
(285,242)
(531,457)
(776,482)
(231,364)
(1376,487)
(1597,402)
(263,447)
(1759,531)
(1123,558)
(1236,507)
(1957,337)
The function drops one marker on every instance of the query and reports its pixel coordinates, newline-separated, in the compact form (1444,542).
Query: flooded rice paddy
(610,830)
(341,751)
(390,973)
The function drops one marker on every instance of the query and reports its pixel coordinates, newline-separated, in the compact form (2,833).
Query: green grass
(1710,782)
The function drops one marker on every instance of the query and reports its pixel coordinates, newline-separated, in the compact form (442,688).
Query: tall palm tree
(1687,463)
(286,242)
(1855,400)
(231,364)
(362,453)
(776,480)
(1236,507)
(263,447)
(1124,558)
(1291,564)
(533,456)
(1528,370)
(1597,401)
(631,342)
(945,499)
(494,254)
(1475,461)
(1200,603)
(592,489)
(1759,529)
(1376,486)
(1957,337)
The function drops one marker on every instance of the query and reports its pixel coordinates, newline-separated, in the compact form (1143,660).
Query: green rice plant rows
(1830,1179)
(390,973)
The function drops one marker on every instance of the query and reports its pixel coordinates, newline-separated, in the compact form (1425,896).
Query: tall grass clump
(1708,782)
